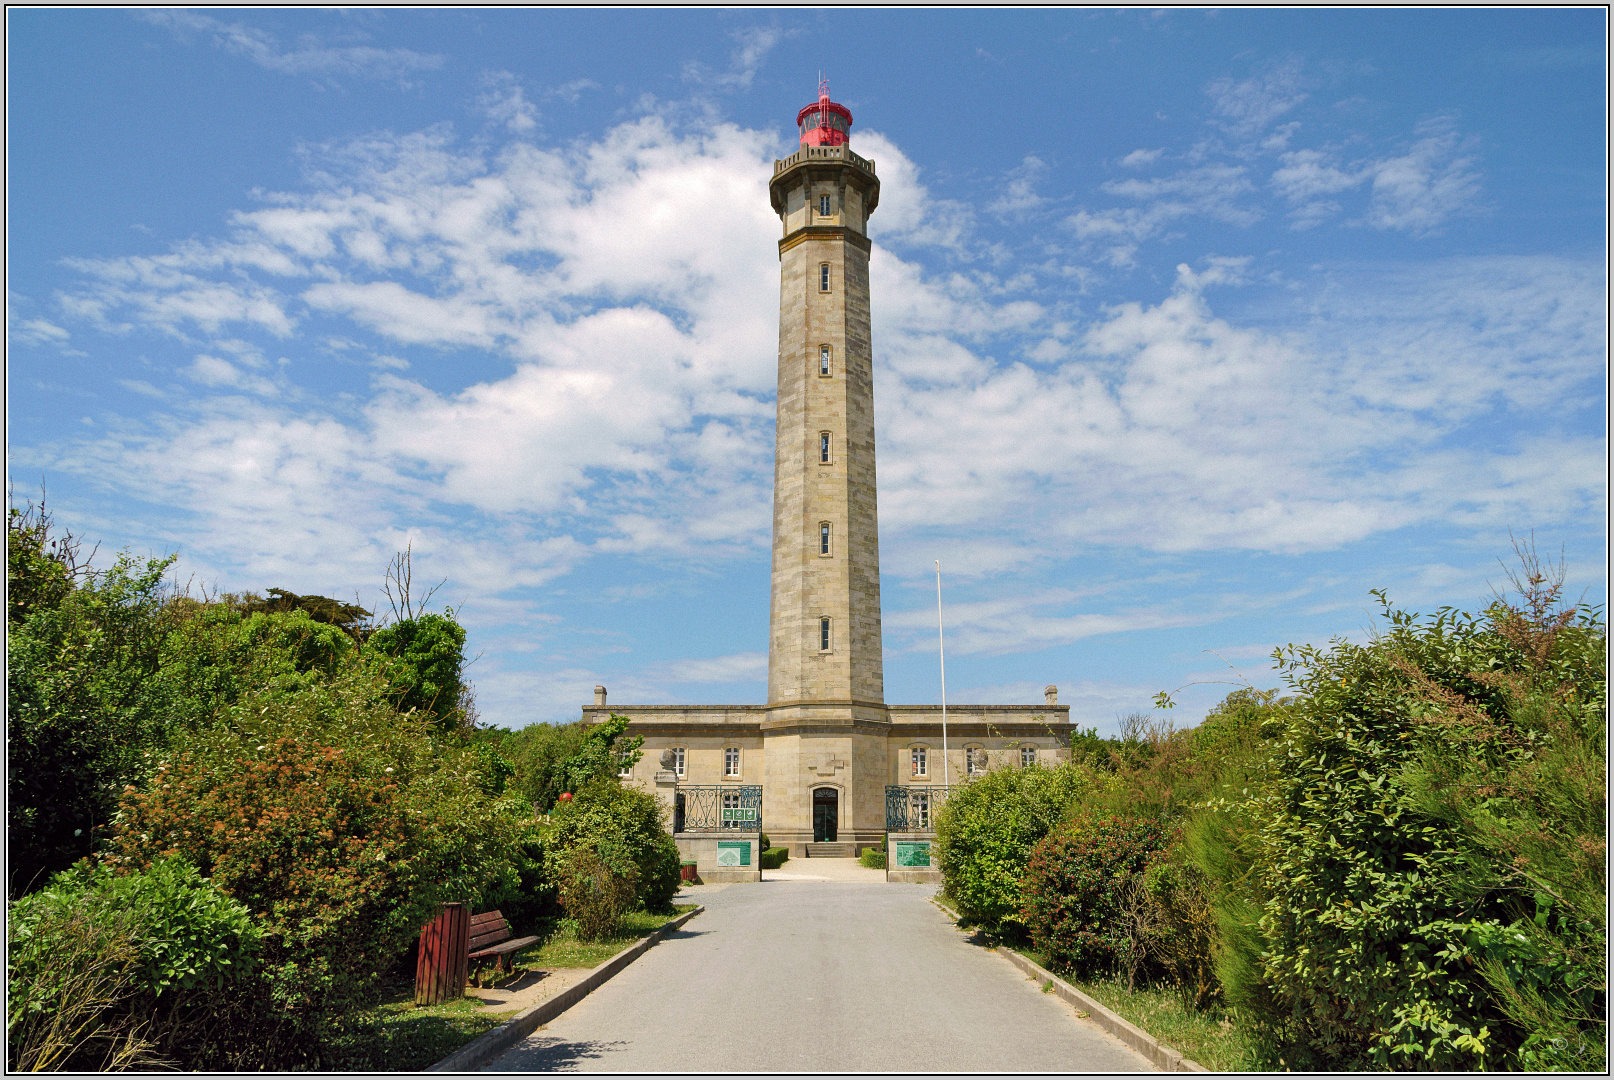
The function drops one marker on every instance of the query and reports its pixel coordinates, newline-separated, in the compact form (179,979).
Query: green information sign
(739,813)
(913,853)
(734,853)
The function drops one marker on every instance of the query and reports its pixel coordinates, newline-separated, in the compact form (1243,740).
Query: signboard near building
(912,854)
(734,853)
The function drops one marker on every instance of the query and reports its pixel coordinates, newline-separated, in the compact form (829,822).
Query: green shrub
(873,858)
(423,656)
(598,882)
(607,812)
(71,977)
(774,858)
(1076,891)
(161,953)
(341,852)
(1171,929)
(985,833)
(1430,862)
(81,704)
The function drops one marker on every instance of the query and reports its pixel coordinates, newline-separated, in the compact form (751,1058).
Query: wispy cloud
(310,56)
(751,48)
(505,102)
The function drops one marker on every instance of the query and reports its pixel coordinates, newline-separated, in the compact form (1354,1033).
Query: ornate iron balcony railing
(913,808)
(707,808)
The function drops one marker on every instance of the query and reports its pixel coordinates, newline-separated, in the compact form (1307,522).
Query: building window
(918,757)
(823,448)
(823,359)
(624,767)
(731,801)
(731,761)
(921,806)
(823,538)
(823,277)
(823,635)
(1028,756)
(974,760)
(678,761)
(823,206)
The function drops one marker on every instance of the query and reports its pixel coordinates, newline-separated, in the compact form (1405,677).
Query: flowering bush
(1076,890)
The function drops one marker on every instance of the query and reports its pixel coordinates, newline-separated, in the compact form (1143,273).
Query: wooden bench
(490,936)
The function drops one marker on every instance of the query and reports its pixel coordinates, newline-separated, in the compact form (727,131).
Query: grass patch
(398,1036)
(561,949)
(1209,1037)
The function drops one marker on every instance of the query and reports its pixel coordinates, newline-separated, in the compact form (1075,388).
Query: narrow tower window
(823,277)
(823,206)
(823,635)
(823,538)
(823,359)
(823,448)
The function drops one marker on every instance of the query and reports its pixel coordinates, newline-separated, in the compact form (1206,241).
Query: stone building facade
(826,747)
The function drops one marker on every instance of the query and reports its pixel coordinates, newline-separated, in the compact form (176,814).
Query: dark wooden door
(826,803)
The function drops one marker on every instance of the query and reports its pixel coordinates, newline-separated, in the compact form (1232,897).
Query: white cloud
(1433,181)
(1019,188)
(751,47)
(1139,158)
(310,56)
(1248,105)
(625,406)
(505,102)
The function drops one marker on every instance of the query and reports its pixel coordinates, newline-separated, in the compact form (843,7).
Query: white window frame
(921,805)
(825,532)
(825,445)
(823,277)
(970,761)
(1028,756)
(729,801)
(823,359)
(731,761)
(624,767)
(825,637)
(918,760)
(678,762)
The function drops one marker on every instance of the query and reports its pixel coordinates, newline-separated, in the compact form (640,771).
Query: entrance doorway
(826,814)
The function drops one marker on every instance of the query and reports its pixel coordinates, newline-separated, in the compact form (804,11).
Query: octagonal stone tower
(826,692)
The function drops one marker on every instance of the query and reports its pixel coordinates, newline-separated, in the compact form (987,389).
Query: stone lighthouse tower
(826,694)
(825,767)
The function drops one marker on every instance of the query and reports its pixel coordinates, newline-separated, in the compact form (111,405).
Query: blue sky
(1190,327)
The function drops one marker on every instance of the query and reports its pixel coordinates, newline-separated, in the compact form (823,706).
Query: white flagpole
(941,655)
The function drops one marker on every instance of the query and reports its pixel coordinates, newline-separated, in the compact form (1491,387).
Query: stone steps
(832,851)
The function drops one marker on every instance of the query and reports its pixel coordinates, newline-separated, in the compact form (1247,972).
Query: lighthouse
(825,767)
(826,691)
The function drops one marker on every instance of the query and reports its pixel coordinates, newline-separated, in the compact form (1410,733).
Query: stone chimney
(599,697)
(1051,693)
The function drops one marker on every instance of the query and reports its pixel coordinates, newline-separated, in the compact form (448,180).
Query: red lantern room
(824,122)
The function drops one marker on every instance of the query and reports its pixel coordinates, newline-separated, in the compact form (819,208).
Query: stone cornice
(824,232)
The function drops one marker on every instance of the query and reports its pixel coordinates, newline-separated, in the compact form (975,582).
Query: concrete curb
(490,1044)
(1164,1057)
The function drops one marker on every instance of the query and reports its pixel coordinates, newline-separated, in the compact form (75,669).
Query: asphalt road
(820,976)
